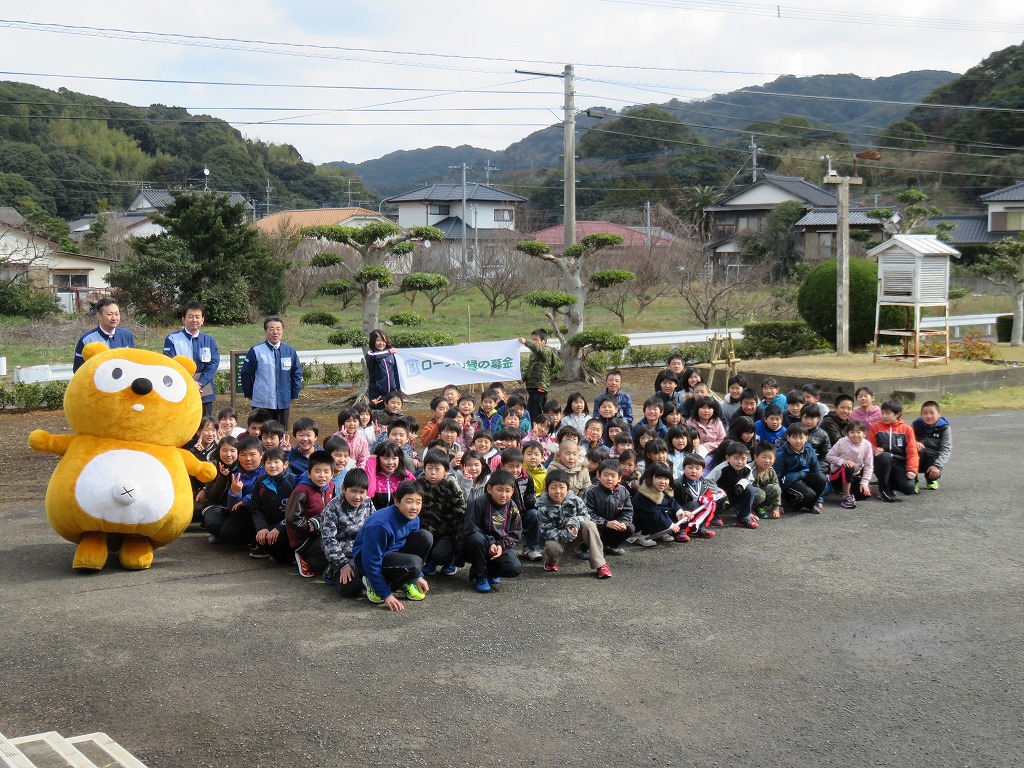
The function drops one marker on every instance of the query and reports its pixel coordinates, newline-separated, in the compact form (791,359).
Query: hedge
(778,338)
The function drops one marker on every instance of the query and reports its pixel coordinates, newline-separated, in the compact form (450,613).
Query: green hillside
(72,154)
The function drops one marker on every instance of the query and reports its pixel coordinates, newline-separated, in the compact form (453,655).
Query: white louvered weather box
(913,273)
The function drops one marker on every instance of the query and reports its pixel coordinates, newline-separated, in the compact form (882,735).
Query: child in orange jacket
(896,455)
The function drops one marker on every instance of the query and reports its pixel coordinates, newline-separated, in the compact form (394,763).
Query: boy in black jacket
(267,506)
(525,496)
(490,533)
(610,507)
(444,509)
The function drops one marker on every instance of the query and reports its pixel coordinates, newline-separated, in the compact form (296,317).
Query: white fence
(62,372)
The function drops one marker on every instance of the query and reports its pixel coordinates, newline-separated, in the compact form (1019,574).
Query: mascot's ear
(187,363)
(93,349)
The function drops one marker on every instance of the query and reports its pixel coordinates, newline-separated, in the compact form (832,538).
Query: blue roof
(1013,193)
(971,229)
(452,192)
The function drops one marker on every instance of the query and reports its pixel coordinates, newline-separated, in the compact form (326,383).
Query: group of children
(494,483)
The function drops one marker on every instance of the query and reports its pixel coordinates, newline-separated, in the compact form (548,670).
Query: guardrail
(337,356)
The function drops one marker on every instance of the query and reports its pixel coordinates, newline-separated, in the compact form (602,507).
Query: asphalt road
(889,635)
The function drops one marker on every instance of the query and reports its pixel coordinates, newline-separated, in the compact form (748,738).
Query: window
(504,214)
(1014,221)
(439,209)
(825,243)
(750,223)
(70,280)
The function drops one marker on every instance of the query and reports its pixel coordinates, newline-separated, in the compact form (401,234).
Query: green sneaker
(917,486)
(372,596)
(933,485)
(413,592)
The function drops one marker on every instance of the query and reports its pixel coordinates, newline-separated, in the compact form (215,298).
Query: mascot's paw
(39,440)
(91,554)
(136,553)
(206,472)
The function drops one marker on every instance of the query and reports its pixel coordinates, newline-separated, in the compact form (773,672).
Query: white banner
(424,368)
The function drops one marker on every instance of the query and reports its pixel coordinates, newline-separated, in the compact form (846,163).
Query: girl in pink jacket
(852,458)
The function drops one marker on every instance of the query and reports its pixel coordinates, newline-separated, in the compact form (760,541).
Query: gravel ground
(889,635)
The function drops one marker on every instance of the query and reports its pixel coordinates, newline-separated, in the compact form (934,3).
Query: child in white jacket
(852,458)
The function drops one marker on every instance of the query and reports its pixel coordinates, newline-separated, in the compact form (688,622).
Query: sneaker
(305,569)
(705,533)
(761,512)
(682,537)
(848,502)
(666,537)
(413,592)
(328,579)
(604,572)
(646,542)
(212,539)
(550,566)
(482,585)
(429,567)
(533,555)
(450,570)
(495,581)
(257,552)
(634,538)
(617,551)
(583,554)
(932,485)
(917,486)
(718,522)
(372,596)
(888,496)
(747,522)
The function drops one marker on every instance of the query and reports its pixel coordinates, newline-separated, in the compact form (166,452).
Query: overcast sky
(656,49)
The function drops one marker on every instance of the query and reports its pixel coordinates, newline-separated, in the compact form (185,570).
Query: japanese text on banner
(424,368)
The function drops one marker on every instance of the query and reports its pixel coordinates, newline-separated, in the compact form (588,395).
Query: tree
(1004,265)
(721,296)
(571,262)
(505,278)
(209,253)
(776,243)
(22,253)
(914,214)
(374,244)
(903,134)
(816,301)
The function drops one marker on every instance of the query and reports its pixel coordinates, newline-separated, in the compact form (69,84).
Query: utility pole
(268,197)
(842,184)
(647,211)
(487,172)
(753,159)
(465,246)
(569,148)
(349,181)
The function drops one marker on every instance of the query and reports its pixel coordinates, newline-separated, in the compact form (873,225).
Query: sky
(355,81)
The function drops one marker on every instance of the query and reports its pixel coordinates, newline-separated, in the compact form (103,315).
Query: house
(746,211)
(155,200)
(632,237)
(120,226)
(487,223)
(818,228)
(76,278)
(294,220)
(1003,217)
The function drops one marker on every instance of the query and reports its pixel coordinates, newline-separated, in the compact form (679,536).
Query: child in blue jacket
(796,464)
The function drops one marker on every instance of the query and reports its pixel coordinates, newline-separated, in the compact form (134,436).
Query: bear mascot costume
(122,473)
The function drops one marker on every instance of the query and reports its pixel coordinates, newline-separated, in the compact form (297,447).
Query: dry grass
(857,367)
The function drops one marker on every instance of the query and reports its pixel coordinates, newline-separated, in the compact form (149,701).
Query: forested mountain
(718,120)
(72,154)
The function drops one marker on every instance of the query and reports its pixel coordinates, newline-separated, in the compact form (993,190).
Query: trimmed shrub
(348,337)
(816,302)
(408,338)
(33,397)
(407,319)
(778,338)
(319,318)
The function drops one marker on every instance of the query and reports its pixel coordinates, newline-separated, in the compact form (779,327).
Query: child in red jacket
(896,456)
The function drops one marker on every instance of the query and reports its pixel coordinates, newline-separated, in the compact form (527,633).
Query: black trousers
(612,538)
(280,415)
(803,493)
(474,551)
(536,401)
(398,567)
(443,551)
(891,472)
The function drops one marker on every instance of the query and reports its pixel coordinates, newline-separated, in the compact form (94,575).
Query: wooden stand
(723,352)
(911,332)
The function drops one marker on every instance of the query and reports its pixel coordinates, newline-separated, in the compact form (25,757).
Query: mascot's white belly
(124,486)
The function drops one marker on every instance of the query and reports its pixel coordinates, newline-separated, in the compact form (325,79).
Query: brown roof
(313,217)
(555,236)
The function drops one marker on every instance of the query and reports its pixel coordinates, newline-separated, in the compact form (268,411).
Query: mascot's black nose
(142,386)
